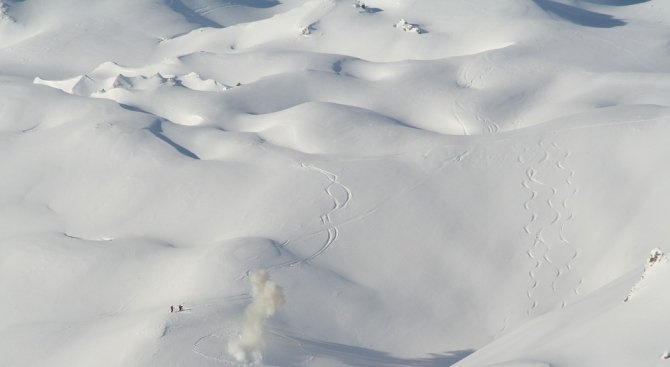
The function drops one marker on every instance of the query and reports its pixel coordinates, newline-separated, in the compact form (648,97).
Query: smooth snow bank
(566,337)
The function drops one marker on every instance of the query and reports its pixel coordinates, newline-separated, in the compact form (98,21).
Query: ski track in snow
(221,338)
(561,164)
(332,235)
(550,214)
(326,219)
(223,334)
(196,349)
(503,328)
(467,82)
(458,106)
(297,342)
(455,158)
(331,228)
(491,125)
(530,252)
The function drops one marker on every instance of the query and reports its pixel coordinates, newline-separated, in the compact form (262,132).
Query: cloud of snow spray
(267,297)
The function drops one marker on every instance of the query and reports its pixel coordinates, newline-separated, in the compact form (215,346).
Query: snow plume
(267,297)
(4,11)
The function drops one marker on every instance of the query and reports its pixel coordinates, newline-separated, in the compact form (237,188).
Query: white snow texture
(453,183)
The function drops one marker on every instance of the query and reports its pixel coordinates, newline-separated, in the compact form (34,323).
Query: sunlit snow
(321,183)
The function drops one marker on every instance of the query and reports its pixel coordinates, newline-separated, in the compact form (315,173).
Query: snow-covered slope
(424,183)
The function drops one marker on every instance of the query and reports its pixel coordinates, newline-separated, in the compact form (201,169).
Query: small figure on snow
(171,308)
(181,308)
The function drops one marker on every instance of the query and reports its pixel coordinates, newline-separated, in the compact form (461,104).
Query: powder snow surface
(461,183)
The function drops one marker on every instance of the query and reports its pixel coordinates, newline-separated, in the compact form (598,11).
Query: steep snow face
(566,337)
(477,184)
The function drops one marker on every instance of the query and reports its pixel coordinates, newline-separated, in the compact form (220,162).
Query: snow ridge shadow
(262,4)
(616,2)
(157,130)
(579,16)
(350,355)
(190,15)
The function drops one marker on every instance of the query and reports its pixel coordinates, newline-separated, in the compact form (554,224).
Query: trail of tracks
(341,202)
(331,229)
(221,357)
(326,219)
(561,164)
(467,81)
(549,182)
(332,234)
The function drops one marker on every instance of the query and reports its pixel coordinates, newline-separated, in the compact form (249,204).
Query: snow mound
(100,81)
(160,89)
(408,27)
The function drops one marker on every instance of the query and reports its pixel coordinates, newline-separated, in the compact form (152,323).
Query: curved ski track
(326,219)
(467,82)
(548,238)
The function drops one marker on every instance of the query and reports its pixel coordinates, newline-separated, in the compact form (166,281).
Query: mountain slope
(483,192)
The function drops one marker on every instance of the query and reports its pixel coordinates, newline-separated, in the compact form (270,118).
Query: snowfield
(464,183)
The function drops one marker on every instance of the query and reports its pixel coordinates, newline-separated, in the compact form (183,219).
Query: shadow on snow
(616,2)
(254,3)
(580,16)
(362,357)
(191,16)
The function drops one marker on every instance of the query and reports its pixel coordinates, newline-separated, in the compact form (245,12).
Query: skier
(171,308)
(181,308)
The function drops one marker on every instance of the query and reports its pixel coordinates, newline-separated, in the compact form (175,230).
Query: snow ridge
(656,258)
